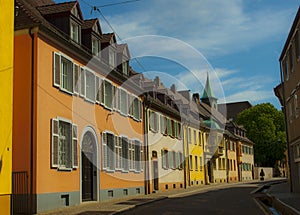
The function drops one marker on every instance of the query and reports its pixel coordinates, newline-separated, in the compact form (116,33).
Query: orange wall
(53,103)
(21,101)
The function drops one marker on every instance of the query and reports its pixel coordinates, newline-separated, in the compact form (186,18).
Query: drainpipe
(227,160)
(286,128)
(32,33)
(147,179)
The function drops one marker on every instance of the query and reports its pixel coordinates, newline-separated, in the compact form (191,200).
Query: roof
(107,37)
(231,110)
(211,124)
(57,8)
(293,29)
(36,3)
(208,93)
(279,93)
(89,23)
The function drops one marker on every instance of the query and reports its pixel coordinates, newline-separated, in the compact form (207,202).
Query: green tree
(265,127)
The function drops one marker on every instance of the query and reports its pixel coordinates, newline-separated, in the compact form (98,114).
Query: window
(125,153)
(75,32)
(108,151)
(189,135)
(131,155)
(285,66)
(118,150)
(136,109)
(90,86)
(64,145)
(123,102)
(163,124)
(82,82)
(195,137)
(291,58)
(153,121)
(296,106)
(138,155)
(66,75)
(180,155)
(297,46)
(95,46)
(196,163)
(201,163)
(164,158)
(108,94)
(191,162)
(125,68)
(200,139)
(98,90)
(112,58)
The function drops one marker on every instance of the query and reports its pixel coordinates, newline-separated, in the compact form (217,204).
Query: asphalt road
(234,201)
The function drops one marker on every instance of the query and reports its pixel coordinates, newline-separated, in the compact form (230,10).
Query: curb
(138,204)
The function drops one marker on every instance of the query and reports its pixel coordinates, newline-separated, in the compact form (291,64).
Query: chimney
(157,81)
(185,94)
(173,88)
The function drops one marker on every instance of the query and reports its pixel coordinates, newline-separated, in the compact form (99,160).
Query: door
(87,176)
(155,175)
(88,168)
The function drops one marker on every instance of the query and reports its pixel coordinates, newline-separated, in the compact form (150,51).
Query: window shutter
(116,99)
(76,78)
(102,93)
(140,111)
(104,151)
(163,158)
(117,155)
(82,82)
(75,146)
(56,69)
(54,143)
(98,90)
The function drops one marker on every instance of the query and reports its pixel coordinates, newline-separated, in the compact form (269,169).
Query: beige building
(288,92)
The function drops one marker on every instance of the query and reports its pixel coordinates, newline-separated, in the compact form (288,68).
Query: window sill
(64,169)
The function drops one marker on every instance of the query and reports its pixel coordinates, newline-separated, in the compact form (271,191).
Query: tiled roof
(36,3)
(89,23)
(107,37)
(57,8)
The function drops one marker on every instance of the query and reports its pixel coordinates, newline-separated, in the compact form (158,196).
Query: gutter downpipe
(32,33)
(286,128)
(147,162)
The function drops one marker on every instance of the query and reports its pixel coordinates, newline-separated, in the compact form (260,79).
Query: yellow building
(195,156)
(6,79)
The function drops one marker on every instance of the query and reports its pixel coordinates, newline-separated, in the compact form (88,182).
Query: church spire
(208,96)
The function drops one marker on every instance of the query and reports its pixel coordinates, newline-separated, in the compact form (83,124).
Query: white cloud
(211,26)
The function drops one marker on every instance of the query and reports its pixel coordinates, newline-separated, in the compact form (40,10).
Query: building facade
(77,117)
(6,101)
(287,92)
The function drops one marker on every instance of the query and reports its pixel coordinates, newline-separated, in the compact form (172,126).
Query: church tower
(208,96)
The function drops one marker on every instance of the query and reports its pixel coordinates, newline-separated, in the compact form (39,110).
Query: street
(234,200)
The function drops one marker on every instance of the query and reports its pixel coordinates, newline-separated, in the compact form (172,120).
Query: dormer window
(125,68)
(95,29)
(75,32)
(112,58)
(95,46)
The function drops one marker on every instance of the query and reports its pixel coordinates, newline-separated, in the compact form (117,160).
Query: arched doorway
(89,171)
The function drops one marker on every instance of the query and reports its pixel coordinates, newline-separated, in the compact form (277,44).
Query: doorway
(88,167)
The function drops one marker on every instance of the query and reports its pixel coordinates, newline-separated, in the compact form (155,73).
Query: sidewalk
(119,205)
(281,193)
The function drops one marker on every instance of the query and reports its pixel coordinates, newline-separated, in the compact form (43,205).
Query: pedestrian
(262,174)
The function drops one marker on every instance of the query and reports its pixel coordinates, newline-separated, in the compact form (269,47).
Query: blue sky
(241,40)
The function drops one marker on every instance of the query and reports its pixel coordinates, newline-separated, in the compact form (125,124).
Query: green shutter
(104,151)
(56,69)
(54,143)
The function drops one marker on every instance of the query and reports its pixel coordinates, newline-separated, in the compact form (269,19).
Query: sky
(236,42)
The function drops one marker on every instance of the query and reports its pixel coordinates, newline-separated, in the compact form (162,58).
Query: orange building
(77,129)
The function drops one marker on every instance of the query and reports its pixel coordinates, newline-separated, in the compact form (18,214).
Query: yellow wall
(6,78)
(196,149)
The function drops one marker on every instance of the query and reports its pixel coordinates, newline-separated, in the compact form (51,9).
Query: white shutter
(117,155)
(74,146)
(76,78)
(54,143)
(56,69)
(104,151)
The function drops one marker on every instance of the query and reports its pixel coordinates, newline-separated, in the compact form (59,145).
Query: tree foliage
(265,127)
